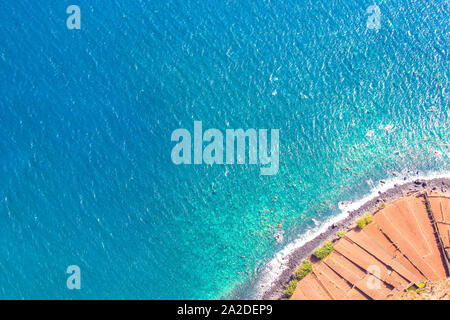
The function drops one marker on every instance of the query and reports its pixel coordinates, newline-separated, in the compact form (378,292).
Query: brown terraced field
(406,244)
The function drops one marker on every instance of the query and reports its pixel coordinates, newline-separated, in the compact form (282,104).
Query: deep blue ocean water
(86,117)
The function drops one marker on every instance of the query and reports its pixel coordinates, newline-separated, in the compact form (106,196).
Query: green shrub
(368,218)
(303,270)
(412,288)
(290,288)
(340,234)
(324,251)
(361,222)
(383,205)
(416,287)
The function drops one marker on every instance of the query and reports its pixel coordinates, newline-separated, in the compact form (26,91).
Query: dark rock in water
(404,178)
(382,181)
(424,184)
(333,226)
(434,189)
(417,182)
(379,192)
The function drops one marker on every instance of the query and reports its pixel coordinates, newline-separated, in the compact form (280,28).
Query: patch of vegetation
(341,234)
(412,288)
(303,270)
(324,251)
(368,218)
(437,290)
(427,205)
(416,287)
(290,288)
(361,222)
(383,205)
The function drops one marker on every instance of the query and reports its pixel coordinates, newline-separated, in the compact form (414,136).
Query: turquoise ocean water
(86,117)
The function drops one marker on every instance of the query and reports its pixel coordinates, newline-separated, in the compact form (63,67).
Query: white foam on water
(275,267)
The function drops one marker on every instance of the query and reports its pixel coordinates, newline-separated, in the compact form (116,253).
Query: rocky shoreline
(295,258)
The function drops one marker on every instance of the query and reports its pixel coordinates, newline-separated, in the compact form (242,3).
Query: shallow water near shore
(86,119)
